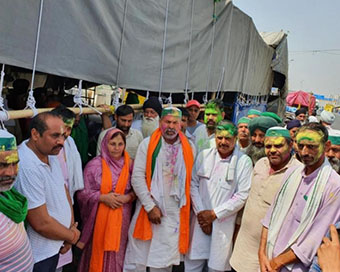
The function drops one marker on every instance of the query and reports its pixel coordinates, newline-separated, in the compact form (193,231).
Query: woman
(105,206)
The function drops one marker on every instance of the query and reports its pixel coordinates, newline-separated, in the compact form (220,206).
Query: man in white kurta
(166,197)
(219,188)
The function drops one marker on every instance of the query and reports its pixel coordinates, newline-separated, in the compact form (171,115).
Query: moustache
(7,178)
(58,146)
(171,130)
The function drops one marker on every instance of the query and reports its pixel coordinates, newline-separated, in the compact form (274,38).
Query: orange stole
(108,225)
(143,230)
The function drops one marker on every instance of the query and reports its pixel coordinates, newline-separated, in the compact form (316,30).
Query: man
(333,152)
(220,185)
(252,113)
(243,133)
(151,112)
(69,156)
(258,127)
(15,249)
(293,127)
(159,230)
(327,119)
(301,115)
(184,120)
(124,115)
(50,219)
(193,107)
(304,207)
(266,181)
(205,135)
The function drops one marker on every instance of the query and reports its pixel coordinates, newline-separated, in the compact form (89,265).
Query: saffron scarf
(143,229)
(108,225)
(13,205)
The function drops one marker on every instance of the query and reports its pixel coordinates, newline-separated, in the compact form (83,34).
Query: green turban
(7,141)
(262,123)
(278,132)
(272,115)
(254,112)
(334,137)
(172,111)
(243,120)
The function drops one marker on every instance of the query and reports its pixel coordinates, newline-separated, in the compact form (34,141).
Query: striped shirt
(15,249)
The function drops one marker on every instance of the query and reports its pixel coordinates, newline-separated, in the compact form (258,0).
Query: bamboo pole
(17,114)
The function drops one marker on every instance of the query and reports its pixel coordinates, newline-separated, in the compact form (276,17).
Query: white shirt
(133,139)
(212,190)
(43,184)
(202,140)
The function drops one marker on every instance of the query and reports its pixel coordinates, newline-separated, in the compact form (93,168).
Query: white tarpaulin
(122,41)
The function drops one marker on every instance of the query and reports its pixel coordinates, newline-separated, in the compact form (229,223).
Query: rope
(30,99)
(205,97)
(220,83)
(121,42)
(163,49)
(4,116)
(186,95)
(78,101)
(169,100)
(147,95)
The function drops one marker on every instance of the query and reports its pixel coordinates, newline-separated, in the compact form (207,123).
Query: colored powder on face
(312,137)
(12,158)
(274,140)
(223,133)
(214,111)
(69,122)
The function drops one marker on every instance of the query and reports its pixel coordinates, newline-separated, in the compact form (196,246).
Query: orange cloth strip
(143,229)
(108,225)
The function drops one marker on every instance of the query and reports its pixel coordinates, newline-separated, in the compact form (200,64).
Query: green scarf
(13,205)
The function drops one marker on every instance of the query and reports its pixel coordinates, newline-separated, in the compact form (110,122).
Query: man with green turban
(258,127)
(15,249)
(205,135)
(243,133)
(265,183)
(333,152)
(220,184)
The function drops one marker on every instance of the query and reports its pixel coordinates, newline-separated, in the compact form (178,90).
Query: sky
(311,25)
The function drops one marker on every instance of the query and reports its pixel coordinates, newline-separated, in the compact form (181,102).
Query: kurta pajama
(213,188)
(162,250)
(328,213)
(264,186)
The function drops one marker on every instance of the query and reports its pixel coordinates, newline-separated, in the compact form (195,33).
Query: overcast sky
(311,25)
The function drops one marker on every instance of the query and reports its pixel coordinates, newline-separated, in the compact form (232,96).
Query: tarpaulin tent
(156,45)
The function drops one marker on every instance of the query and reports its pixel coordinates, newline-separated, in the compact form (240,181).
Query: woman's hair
(114,135)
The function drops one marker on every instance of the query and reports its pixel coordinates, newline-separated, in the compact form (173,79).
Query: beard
(255,153)
(6,183)
(149,125)
(335,163)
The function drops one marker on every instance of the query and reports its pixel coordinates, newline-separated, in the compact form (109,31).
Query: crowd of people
(170,193)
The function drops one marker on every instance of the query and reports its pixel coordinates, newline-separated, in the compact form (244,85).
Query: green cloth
(132,98)
(278,132)
(81,139)
(231,128)
(254,112)
(243,120)
(13,205)
(334,137)
(172,111)
(262,123)
(272,115)
(155,155)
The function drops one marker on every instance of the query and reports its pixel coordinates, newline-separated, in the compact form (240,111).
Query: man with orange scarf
(159,230)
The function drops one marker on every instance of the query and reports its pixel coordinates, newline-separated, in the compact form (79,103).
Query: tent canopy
(122,42)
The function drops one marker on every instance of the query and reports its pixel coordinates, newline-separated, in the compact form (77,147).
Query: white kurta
(210,190)
(202,140)
(162,250)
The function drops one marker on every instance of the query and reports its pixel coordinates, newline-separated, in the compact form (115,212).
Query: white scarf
(285,199)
